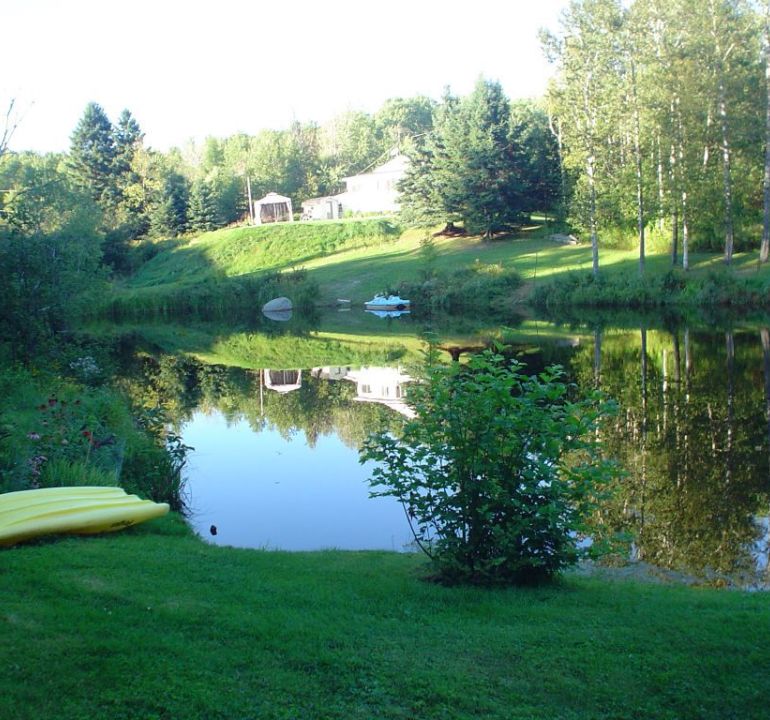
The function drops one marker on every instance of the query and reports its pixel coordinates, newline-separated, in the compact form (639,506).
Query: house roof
(394,165)
(272,197)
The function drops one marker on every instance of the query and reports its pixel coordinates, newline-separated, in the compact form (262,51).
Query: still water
(275,463)
(263,489)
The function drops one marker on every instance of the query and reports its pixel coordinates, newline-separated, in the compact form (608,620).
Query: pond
(276,420)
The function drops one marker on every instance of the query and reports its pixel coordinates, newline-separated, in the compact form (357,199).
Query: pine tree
(469,167)
(168,213)
(202,209)
(92,154)
(127,138)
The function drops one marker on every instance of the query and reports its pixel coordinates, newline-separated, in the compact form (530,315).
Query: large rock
(279,304)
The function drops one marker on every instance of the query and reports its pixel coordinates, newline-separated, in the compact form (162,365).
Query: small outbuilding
(322,208)
(273,208)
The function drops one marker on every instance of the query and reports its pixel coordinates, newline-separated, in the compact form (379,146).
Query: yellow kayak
(77,510)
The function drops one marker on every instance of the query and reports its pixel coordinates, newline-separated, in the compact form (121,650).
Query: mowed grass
(234,252)
(355,259)
(154,623)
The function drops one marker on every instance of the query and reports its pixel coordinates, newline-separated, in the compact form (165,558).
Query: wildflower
(33,436)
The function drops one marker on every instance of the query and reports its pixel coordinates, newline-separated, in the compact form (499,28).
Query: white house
(375,191)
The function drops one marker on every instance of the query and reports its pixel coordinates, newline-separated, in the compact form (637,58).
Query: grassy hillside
(246,250)
(153,623)
(357,258)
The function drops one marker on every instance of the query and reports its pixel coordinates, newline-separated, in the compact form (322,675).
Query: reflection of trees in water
(693,437)
(318,407)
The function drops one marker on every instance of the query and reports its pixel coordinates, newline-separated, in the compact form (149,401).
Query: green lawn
(153,623)
(358,258)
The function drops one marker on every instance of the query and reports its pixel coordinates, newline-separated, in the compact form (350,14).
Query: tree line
(138,192)
(660,112)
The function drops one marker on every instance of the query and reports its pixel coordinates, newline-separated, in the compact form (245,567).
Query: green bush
(478,287)
(497,472)
(153,463)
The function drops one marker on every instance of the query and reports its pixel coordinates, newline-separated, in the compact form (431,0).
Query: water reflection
(693,433)
(264,489)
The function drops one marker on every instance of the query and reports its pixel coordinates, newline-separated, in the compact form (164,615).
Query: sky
(191,69)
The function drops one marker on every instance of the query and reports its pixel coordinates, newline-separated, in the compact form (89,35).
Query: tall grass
(715,288)
(59,432)
(211,299)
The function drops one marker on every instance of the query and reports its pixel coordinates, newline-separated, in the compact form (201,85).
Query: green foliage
(481,286)
(666,99)
(55,432)
(715,288)
(202,213)
(92,153)
(59,431)
(50,250)
(153,464)
(497,472)
(74,473)
(471,167)
(212,298)
(168,210)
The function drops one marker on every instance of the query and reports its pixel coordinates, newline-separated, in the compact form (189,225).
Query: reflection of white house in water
(383,385)
(282,381)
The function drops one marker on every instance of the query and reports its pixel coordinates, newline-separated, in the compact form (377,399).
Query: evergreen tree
(168,213)
(470,167)
(92,154)
(202,213)
(127,138)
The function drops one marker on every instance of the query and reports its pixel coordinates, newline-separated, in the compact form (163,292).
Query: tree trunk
(685,234)
(661,185)
(727,184)
(675,238)
(764,250)
(592,215)
(555,127)
(682,183)
(639,177)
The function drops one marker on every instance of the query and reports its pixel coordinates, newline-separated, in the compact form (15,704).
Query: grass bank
(153,623)
(57,430)
(357,258)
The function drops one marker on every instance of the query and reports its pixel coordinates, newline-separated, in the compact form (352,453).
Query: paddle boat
(387,303)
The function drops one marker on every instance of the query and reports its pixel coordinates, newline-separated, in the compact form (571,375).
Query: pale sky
(192,69)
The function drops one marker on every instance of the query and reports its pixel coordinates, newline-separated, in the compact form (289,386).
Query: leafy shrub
(153,463)
(476,287)
(497,472)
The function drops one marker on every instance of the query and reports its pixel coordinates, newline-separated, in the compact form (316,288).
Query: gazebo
(273,208)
